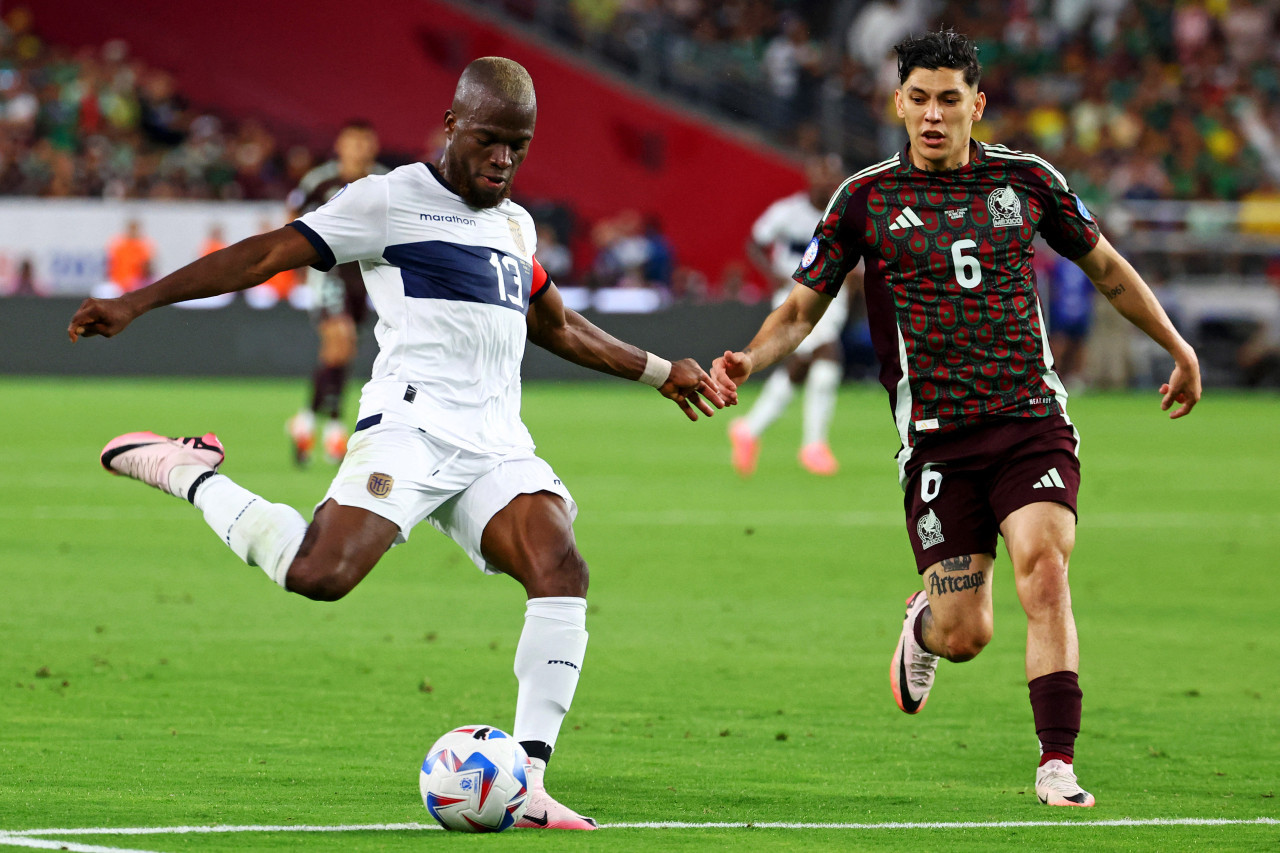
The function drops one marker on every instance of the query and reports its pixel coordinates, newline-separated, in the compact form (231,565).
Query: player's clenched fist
(105,317)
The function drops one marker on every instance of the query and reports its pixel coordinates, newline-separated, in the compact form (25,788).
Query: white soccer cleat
(912,669)
(173,465)
(301,429)
(543,812)
(1056,785)
(334,441)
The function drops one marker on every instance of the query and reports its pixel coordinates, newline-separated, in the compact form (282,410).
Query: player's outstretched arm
(237,267)
(574,338)
(1116,279)
(782,331)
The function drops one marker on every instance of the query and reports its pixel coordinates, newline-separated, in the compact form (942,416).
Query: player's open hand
(1182,388)
(105,317)
(731,370)
(690,386)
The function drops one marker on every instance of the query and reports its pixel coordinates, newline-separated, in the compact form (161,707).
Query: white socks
(261,533)
(772,402)
(548,661)
(820,391)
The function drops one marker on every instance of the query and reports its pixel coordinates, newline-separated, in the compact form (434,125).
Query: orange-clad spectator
(129,258)
(213,242)
(282,282)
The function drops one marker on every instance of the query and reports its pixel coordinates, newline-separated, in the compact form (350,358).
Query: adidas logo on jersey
(904,221)
(1052,480)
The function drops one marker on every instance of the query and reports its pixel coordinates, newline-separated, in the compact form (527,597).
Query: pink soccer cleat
(912,669)
(173,465)
(818,459)
(1056,785)
(543,812)
(746,448)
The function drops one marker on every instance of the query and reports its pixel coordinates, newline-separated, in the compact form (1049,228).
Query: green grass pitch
(740,640)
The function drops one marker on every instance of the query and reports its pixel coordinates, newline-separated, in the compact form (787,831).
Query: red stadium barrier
(601,146)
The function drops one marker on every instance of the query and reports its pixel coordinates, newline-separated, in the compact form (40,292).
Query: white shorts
(828,329)
(402,474)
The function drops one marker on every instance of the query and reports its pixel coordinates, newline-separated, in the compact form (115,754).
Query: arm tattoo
(1114,292)
(957,564)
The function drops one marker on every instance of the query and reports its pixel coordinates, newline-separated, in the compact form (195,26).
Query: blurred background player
(1070,317)
(777,243)
(339,302)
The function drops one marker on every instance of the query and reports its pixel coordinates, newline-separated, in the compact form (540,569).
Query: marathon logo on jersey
(449,218)
(929,529)
(1005,207)
(810,254)
(380,485)
(517,235)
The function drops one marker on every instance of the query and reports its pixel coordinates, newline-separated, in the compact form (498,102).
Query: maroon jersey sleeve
(836,246)
(1068,226)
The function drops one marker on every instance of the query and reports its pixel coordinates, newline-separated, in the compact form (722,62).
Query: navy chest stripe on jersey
(436,269)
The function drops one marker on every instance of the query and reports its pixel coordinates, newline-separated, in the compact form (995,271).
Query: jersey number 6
(968,269)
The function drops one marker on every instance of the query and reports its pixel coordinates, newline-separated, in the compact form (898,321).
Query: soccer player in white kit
(777,243)
(449,262)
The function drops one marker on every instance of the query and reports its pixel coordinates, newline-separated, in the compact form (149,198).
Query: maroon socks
(1055,704)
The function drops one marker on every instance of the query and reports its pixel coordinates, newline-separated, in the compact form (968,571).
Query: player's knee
(966,640)
(565,574)
(320,579)
(1043,586)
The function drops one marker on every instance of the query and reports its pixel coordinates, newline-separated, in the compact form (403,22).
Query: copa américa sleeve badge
(810,254)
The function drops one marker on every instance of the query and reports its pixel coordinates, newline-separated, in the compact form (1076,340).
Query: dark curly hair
(943,49)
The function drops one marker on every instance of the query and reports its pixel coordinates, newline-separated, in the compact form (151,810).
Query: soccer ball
(473,780)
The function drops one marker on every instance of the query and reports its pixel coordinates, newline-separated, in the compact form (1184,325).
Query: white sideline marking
(50,844)
(11,836)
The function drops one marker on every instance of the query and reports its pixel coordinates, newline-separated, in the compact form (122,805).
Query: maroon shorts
(962,484)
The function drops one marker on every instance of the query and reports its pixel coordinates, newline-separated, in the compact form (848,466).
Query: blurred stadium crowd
(1139,100)
(1134,99)
(1155,102)
(103,123)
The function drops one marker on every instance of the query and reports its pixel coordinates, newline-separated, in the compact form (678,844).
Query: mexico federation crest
(810,254)
(1005,207)
(929,529)
(380,485)
(518,236)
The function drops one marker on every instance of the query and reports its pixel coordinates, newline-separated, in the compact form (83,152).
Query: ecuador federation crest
(380,485)
(517,235)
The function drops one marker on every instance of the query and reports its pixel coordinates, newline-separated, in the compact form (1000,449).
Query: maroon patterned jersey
(951,294)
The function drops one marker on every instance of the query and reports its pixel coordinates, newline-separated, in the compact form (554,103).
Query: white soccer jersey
(785,229)
(451,284)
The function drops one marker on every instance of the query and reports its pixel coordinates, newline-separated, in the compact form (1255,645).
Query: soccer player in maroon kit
(946,229)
